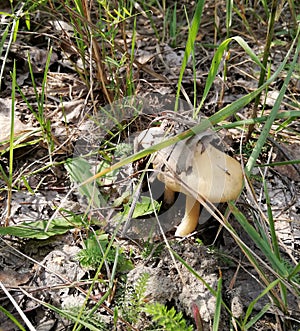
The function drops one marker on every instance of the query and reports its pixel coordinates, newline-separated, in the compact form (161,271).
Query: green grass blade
(68,315)
(271,220)
(190,45)
(229,5)
(12,123)
(248,50)
(3,38)
(290,115)
(253,303)
(12,318)
(257,317)
(279,163)
(173,26)
(44,84)
(13,32)
(11,143)
(32,79)
(262,244)
(217,315)
(130,79)
(266,54)
(266,129)
(217,59)
(295,272)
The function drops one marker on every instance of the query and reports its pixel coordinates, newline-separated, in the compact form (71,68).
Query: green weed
(168,319)
(134,300)
(95,252)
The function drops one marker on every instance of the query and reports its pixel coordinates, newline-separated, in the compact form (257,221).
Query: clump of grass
(96,26)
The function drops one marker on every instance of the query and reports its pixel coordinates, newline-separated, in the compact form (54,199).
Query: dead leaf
(38,56)
(21,130)
(286,152)
(12,278)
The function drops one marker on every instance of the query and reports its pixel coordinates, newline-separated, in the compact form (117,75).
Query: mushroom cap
(195,167)
(203,170)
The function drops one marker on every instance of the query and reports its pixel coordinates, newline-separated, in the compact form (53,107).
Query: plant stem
(262,75)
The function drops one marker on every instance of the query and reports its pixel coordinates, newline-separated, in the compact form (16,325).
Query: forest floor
(68,114)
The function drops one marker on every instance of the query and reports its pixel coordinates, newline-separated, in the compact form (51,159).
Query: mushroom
(197,169)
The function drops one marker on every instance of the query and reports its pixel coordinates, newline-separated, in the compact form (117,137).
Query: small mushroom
(211,175)
(199,170)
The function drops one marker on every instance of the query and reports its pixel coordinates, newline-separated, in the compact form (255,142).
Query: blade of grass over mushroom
(266,129)
(217,59)
(202,126)
(189,45)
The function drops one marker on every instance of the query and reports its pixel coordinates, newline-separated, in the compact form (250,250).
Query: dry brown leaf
(287,152)
(5,126)
(12,278)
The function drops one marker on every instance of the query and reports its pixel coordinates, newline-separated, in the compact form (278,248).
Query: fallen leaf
(12,278)
(22,132)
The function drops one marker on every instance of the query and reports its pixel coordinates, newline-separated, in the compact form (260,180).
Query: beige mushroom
(199,170)
(213,176)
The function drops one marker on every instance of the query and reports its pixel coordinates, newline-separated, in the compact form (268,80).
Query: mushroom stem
(169,196)
(190,219)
